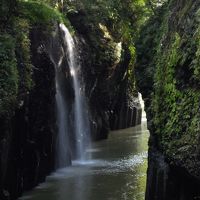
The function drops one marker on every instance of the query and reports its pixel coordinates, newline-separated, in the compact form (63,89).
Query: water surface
(117,171)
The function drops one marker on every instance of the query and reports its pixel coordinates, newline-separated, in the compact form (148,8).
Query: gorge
(70,73)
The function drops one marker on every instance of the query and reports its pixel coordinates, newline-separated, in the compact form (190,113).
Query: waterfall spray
(81,121)
(62,157)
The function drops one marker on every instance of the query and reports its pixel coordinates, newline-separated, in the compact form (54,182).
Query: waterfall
(144,119)
(81,121)
(63,156)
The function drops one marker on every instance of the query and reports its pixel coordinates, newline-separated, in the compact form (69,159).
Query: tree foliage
(7,7)
(8,74)
(123,18)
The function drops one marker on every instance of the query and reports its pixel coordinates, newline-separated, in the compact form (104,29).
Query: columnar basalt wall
(28,137)
(169,182)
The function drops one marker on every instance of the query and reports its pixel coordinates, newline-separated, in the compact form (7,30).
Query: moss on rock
(9,77)
(174,94)
(15,54)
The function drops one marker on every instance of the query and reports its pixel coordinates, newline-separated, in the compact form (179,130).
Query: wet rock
(169,182)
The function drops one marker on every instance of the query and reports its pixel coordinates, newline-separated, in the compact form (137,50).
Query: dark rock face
(167,182)
(6,11)
(104,69)
(127,113)
(27,142)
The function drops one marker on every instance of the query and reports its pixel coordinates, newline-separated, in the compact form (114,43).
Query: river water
(117,171)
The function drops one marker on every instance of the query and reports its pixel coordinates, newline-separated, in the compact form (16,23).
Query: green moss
(39,13)
(183,12)
(196,37)
(178,124)
(15,54)
(9,78)
(7,8)
(174,94)
(21,30)
(131,71)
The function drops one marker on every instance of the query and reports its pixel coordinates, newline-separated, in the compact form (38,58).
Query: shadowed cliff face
(28,137)
(169,182)
(105,64)
(168,76)
(7,7)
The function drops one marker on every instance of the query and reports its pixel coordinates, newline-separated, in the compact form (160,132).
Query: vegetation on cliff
(116,22)
(170,70)
(18,19)
(110,28)
(9,74)
(164,37)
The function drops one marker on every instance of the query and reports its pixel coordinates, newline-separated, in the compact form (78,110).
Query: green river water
(116,171)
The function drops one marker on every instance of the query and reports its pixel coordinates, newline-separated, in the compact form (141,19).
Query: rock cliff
(168,76)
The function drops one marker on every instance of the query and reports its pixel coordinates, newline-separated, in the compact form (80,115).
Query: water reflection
(117,171)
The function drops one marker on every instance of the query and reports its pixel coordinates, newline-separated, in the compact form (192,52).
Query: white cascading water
(62,140)
(81,121)
(144,119)
(62,143)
